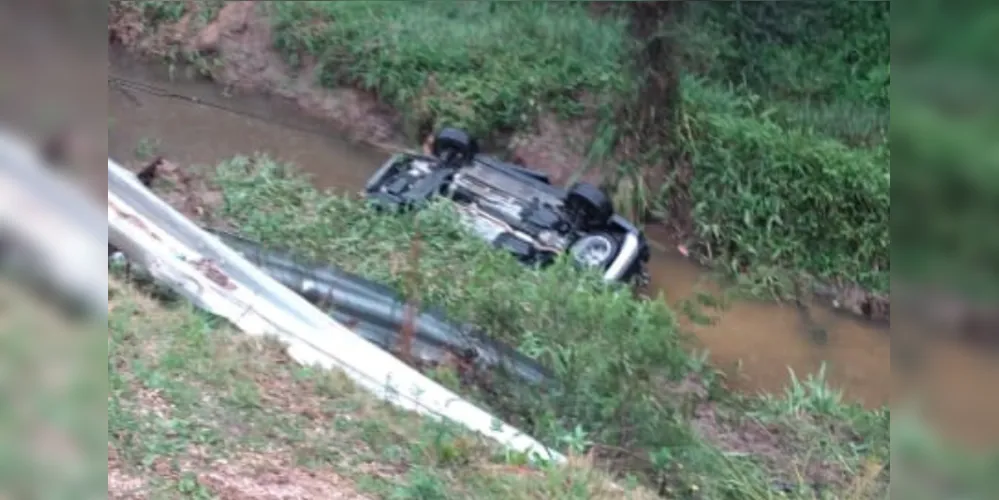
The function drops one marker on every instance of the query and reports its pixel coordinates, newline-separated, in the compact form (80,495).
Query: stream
(756,344)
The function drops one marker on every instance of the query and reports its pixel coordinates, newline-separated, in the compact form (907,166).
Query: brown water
(756,344)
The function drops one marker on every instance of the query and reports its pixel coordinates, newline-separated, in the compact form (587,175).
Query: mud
(264,106)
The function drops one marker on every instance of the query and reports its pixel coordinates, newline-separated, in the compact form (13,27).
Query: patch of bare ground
(271,476)
(188,190)
(775,446)
(122,485)
(558,148)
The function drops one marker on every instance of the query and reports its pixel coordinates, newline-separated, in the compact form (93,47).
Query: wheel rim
(593,250)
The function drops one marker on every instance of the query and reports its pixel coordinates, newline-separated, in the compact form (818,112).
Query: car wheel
(595,250)
(590,204)
(455,144)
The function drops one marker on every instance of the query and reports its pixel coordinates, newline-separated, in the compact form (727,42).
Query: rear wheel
(452,144)
(592,207)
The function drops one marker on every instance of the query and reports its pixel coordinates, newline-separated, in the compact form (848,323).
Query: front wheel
(595,250)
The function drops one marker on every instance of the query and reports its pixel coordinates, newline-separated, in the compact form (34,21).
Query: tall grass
(786,106)
(486,66)
(770,195)
(772,186)
(822,66)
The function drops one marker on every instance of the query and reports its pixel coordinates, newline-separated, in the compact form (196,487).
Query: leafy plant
(767,195)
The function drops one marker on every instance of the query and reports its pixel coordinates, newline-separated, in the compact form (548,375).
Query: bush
(824,66)
(766,195)
(485,66)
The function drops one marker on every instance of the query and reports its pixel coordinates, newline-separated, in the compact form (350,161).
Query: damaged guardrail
(218,279)
(379,314)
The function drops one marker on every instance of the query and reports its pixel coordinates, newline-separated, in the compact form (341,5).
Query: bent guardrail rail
(379,314)
(216,278)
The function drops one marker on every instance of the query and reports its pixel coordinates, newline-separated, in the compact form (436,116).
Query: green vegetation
(196,410)
(486,66)
(784,107)
(780,152)
(774,156)
(634,397)
(951,192)
(821,66)
(766,195)
(944,131)
(786,112)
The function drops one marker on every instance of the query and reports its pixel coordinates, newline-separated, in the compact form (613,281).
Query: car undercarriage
(514,208)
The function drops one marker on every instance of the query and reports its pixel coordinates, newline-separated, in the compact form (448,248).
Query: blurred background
(945,226)
(52,384)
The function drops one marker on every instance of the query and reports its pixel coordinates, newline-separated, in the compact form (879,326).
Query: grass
(197,410)
(485,66)
(950,191)
(634,399)
(824,67)
(786,128)
(784,198)
(788,169)
(52,389)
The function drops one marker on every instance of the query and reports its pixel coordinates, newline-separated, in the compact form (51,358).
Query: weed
(147,149)
(823,66)
(158,12)
(771,196)
(486,66)
(780,114)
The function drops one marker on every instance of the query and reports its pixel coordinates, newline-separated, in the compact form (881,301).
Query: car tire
(454,143)
(595,250)
(590,204)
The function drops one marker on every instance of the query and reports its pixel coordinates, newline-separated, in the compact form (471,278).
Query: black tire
(592,207)
(455,144)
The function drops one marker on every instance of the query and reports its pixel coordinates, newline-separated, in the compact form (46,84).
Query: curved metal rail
(218,279)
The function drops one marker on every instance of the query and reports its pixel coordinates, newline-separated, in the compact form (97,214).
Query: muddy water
(187,126)
(756,344)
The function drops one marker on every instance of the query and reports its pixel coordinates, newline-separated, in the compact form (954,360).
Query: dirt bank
(234,48)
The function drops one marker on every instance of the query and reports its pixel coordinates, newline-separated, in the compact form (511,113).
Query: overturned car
(514,208)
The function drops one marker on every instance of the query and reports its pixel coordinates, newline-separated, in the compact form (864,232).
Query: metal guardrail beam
(179,254)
